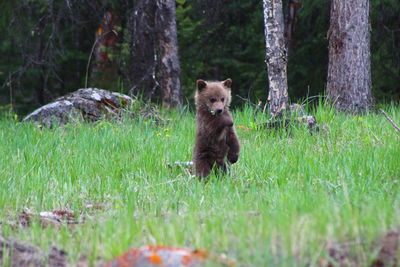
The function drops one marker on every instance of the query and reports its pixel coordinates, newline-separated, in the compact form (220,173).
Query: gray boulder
(88,104)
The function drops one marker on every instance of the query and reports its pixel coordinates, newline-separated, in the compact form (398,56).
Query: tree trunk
(276,57)
(105,69)
(143,67)
(168,51)
(290,23)
(349,69)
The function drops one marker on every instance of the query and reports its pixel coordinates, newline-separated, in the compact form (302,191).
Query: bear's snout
(233,157)
(219,110)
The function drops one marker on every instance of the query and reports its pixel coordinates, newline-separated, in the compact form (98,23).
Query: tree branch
(390,120)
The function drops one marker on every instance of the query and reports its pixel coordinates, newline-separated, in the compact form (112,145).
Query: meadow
(290,195)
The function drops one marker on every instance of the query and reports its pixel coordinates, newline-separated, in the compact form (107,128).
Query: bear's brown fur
(215,136)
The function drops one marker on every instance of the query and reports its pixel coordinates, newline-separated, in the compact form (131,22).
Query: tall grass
(289,194)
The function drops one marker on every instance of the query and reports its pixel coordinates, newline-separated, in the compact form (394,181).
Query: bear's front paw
(226,120)
(233,158)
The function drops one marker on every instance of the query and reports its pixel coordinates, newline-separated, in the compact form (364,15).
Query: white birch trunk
(276,57)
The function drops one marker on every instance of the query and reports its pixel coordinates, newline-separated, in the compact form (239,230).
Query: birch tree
(276,57)
(349,69)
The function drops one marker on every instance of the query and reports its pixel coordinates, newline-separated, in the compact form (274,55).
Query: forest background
(47,45)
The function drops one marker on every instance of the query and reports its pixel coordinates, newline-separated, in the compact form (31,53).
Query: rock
(151,256)
(310,121)
(88,104)
(295,115)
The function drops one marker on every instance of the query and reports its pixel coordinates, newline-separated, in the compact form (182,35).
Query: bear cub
(216,138)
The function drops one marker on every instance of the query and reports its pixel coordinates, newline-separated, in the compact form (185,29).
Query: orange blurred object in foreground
(244,128)
(150,256)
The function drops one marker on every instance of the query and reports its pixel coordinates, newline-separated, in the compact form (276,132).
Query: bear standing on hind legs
(215,135)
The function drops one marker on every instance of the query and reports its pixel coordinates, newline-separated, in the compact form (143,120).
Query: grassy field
(288,196)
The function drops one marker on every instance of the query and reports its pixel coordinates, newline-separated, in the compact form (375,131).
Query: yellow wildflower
(159,134)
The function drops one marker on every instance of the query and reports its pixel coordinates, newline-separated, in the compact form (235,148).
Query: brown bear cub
(215,136)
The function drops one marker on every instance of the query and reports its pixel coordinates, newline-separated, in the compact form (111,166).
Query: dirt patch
(13,253)
(16,254)
(339,255)
(386,250)
(389,250)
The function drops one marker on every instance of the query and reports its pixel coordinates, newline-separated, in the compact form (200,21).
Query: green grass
(289,194)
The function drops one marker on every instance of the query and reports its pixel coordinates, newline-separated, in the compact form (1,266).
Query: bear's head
(213,97)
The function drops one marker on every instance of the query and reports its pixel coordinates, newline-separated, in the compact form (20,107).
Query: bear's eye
(222,99)
(212,100)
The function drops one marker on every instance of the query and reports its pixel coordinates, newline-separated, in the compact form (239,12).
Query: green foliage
(280,205)
(308,62)
(6,6)
(226,44)
(385,43)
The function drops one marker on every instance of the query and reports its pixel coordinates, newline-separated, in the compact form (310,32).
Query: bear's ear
(201,84)
(227,83)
